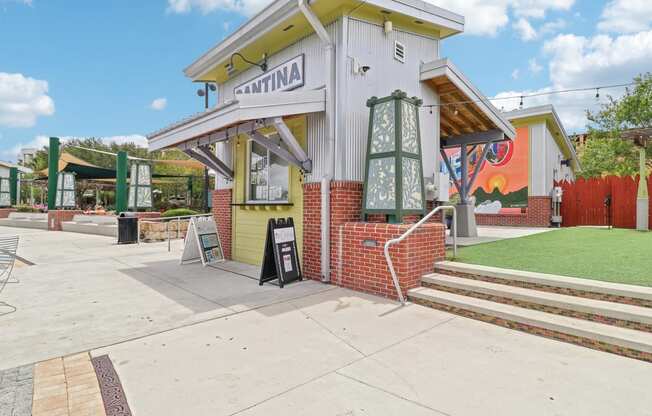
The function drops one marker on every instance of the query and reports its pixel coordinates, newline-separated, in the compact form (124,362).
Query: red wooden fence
(583,201)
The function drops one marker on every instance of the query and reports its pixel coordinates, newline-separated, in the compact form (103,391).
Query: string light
(597,94)
(521,103)
(538,94)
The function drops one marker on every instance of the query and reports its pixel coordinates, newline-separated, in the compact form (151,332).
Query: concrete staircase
(604,316)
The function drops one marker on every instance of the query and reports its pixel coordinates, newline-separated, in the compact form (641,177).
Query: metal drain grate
(115,401)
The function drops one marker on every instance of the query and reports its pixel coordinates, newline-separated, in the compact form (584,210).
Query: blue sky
(113,68)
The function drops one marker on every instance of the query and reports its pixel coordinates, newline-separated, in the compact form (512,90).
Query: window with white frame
(269,175)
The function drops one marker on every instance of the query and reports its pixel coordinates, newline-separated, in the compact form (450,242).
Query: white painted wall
(545,161)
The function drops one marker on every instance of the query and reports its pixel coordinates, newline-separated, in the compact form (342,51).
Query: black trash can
(127,228)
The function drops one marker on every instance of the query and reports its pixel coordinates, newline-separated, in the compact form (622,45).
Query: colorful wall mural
(502,183)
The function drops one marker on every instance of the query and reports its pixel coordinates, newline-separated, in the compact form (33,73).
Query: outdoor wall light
(202,93)
(230,67)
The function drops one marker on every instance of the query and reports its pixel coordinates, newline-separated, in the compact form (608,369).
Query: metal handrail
(410,231)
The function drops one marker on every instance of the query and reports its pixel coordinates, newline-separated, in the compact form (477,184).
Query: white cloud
(525,29)
(23,100)
(578,62)
(534,66)
(487,17)
(159,104)
(41,140)
(244,7)
(483,17)
(626,16)
(516,73)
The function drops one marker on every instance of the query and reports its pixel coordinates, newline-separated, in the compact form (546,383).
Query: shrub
(26,208)
(178,212)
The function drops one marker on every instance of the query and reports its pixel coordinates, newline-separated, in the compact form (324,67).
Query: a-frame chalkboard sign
(281,258)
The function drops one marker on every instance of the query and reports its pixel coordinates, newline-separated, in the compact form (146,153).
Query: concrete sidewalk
(205,341)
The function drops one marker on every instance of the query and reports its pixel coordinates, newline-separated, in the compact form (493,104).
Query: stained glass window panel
(381,185)
(409,128)
(4,184)
(5,200)
(382,128)
(144,197)
(412,195)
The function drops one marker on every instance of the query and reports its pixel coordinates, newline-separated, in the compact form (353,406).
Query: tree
(605,153)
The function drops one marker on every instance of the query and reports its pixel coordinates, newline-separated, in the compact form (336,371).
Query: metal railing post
(410,230)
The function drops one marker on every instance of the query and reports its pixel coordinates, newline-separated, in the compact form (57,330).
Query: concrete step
(24,223)
(594,289)
(622,341)
(618,314)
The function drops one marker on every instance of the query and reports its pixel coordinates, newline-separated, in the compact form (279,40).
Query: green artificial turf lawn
(617,255)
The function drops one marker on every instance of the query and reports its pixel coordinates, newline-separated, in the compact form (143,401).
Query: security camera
(365,69)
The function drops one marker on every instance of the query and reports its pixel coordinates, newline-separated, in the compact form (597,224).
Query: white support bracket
(274,146)
(209,161)
(288,138)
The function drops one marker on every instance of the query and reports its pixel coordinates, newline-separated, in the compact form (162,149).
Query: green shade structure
(140,187)
(13,185)
(53,170)
(5,193)
(121,182)
(394,172)
(65,191)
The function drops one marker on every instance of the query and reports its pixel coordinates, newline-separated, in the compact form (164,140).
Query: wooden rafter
(454,121)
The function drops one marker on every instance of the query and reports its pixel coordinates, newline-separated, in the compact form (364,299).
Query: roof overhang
(465,113)
(281,23)
(549,114)
(246,108)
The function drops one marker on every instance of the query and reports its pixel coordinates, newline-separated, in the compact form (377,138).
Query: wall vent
(399,51)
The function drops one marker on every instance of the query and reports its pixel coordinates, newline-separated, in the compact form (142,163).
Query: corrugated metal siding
(315,63)
(368,45)
(315,73)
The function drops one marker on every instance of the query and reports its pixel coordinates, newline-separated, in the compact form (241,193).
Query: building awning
(466,115)
(247,115)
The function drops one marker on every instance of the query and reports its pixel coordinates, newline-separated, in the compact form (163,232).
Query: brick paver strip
(84,397)
(115,401)
(50,395)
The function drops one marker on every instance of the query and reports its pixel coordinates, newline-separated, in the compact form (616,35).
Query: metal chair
(8,249)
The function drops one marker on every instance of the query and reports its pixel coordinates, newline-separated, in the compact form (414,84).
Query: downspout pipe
(329,52)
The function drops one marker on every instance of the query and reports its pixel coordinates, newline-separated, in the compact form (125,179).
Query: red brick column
(364,267)
(4,212)
(222,211)
(56,217)
(312,231)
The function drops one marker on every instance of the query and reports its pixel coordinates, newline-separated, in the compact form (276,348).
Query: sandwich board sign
(202,242)
(281,257)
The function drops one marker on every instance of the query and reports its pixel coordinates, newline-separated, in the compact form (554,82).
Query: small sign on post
(202,242)
(281,257)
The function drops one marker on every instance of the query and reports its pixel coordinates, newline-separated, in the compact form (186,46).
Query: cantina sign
(285,77)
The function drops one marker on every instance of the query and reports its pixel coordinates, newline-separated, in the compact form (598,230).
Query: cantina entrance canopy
(248,115)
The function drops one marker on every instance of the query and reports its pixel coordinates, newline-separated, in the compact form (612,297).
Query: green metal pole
(13,185)
(53,172)
(121,183)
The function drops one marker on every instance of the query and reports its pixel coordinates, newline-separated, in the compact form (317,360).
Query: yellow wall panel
(250,222)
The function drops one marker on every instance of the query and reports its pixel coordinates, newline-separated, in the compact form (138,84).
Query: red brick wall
(364,267)
(56,217)
(537,214)
(222,211)
(143,215)
(4,212)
